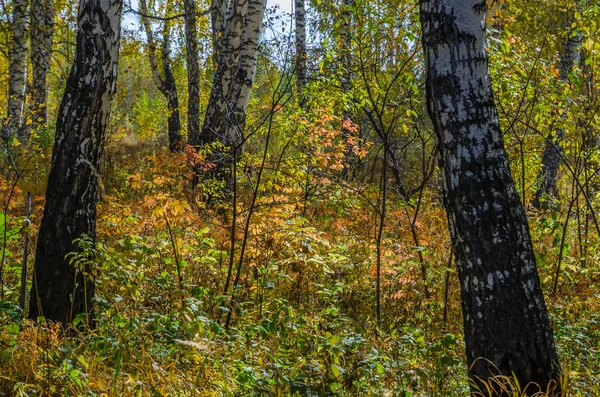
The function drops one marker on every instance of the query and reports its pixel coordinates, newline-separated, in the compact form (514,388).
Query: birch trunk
(590,140)
(218,14)
(246,70)
(59,292)
(346,79)
(235,74)
(42,29)
(506,325)
(214,128)
(553,150)
(226,112)
(193,71)
(18,71)
(300,33)
(166,85)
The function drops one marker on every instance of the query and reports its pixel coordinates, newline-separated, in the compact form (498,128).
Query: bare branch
(130,10)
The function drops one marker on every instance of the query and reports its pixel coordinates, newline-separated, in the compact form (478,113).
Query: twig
(25,254)
(177,263)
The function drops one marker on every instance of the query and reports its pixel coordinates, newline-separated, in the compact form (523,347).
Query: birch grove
(299,198)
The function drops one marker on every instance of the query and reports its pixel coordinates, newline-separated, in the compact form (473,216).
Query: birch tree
(553,152)
(506,325)
(300,35)
(166,83)
(60,291)
(42,29)
(346,75)
(193,71)
(246,70)
(18,71)
(217,18)
(228,44)
(232,84)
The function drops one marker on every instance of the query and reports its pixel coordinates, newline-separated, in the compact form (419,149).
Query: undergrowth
(303,314)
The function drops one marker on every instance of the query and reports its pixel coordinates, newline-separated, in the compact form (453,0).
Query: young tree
(17,71)
(346,77)
(166,84)
(193,71)
(60,291)
(300,33)
(553,150)
(42,29)
(506,325)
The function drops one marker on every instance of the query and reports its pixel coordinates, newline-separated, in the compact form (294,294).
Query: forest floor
(303,316)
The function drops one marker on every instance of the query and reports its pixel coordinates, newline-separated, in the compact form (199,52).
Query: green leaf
(336,370)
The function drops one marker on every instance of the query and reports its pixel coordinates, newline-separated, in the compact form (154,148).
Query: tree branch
(130,10)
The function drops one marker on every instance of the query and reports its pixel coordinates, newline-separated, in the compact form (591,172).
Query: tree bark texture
(217,17)
(166,84)
(226,112)
(219,102)
(246,70)
(553,150)
(42,29)
(59,292)
(346,78)
(300,33)
(193,71)
(506,326)
(18,71)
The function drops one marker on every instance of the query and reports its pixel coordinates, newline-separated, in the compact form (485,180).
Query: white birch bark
(490,235)
(300,34)
(60,292)
(229,46)
(232,43)
(42,30)
(193,72)
(346,78)
(553,150)
(166,83)
(248,59)
(218,15)
(18,69)
(232,84)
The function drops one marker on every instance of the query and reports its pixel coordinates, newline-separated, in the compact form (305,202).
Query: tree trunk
(506,326)
(218,10)
(301,79)
(226,112)
(244,78)
(17,72)
(60,292)
(346,80)
(42,29)
(214,128)
(193,70)
(166,85)
(553,151)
